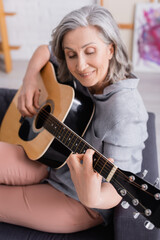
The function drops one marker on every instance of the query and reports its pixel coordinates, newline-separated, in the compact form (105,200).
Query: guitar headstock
(140,194)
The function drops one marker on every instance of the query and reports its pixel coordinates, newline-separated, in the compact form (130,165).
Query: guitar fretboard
(75,143)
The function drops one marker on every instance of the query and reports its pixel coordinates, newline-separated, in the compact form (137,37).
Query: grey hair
(100,17)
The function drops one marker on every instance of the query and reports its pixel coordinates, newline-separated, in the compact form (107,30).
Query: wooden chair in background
(4,44)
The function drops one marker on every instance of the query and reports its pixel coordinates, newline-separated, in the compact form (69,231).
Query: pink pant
(24,201)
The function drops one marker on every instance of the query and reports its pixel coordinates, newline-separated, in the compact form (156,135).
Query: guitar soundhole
(42,116)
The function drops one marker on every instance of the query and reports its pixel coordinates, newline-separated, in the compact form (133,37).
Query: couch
(123,225)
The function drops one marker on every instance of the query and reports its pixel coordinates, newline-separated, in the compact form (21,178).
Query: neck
(98,89)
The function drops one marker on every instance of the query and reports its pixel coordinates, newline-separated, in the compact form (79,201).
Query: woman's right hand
(28,99)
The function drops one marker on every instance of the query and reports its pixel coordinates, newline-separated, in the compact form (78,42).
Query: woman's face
(87,57)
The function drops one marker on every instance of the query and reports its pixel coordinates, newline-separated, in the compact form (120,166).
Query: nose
(81,63)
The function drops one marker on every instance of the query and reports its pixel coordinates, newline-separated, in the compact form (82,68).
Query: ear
(110,51)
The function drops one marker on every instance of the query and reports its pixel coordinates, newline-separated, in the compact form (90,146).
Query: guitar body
(60,100)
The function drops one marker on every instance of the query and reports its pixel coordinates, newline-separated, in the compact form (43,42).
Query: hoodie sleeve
(125,142)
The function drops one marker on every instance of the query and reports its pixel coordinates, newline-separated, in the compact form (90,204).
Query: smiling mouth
(85,75)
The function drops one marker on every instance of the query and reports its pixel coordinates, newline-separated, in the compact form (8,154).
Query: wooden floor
(149,88)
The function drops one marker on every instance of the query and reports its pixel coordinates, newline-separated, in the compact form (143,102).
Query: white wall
(34,20)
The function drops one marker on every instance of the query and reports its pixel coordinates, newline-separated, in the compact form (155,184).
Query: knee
(8,151)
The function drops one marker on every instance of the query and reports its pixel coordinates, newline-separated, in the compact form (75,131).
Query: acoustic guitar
(58,129)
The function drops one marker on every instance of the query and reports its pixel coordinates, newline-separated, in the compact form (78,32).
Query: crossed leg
(44,208)
(27,202)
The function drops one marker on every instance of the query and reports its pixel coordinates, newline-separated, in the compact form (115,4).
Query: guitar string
(47,116)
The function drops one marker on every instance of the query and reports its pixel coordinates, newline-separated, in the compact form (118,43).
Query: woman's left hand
(87,182)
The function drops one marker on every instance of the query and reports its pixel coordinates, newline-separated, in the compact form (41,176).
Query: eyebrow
(81,47)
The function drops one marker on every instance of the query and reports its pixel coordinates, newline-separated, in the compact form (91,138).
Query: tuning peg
(157,196)
(125,204)
(136,215)
(156,182)
(148,225)
(144,173)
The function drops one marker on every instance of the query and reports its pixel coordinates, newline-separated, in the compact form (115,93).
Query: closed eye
(73,56)
(89,53)
(90,50)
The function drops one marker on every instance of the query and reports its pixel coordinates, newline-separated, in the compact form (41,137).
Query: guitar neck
(76,144)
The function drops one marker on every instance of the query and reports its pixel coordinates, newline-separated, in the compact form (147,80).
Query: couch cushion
(6,95)
(13,232)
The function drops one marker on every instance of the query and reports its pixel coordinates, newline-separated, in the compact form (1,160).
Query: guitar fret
(80,147)
(52,126)
(59,133)
(68,140)
(70,143)
(77,145)
(96,160)
(103,172)
(83,148)
(65,135)
(102,165)
(73,143)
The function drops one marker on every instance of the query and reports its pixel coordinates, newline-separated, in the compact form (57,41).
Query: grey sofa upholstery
(123,225)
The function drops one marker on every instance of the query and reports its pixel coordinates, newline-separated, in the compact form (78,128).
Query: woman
(87,49)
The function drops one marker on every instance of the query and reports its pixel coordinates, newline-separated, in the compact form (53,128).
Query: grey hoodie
(118,130)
